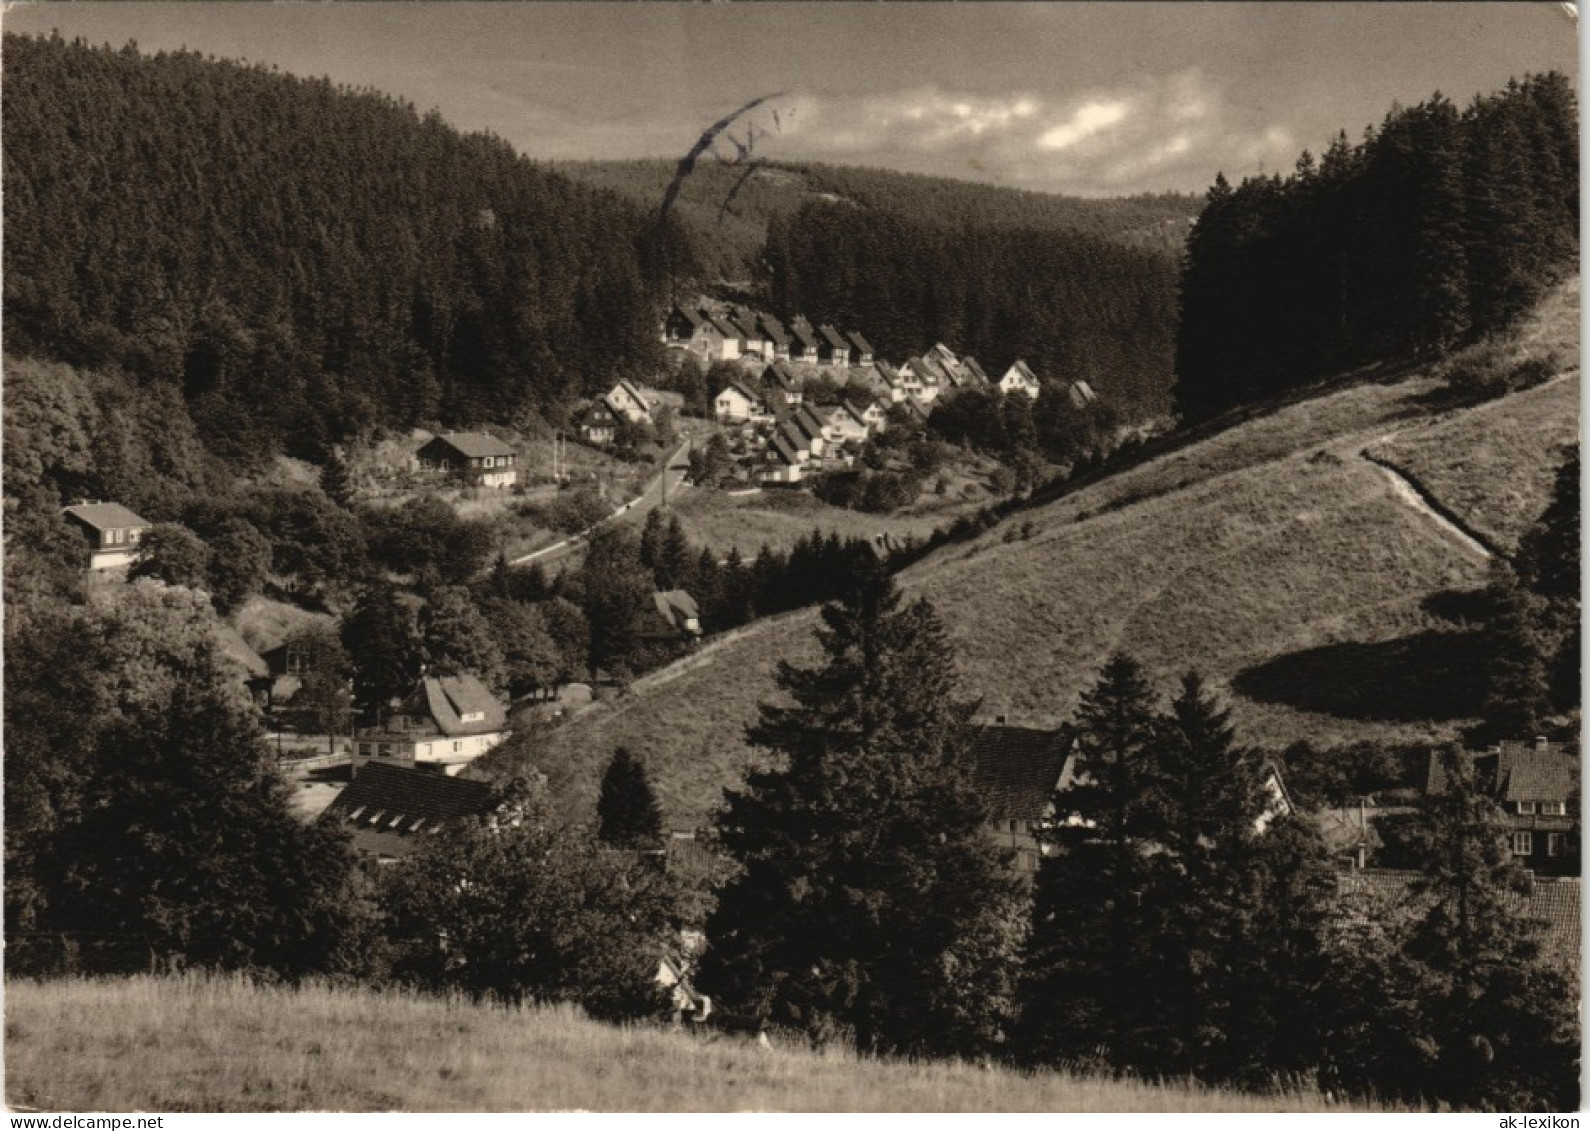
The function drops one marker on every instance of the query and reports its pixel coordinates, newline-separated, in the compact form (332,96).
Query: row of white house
(732,334)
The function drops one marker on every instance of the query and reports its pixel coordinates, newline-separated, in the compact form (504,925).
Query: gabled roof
(1513,771)
(778,374)
(473,445)
(969,363)
(775,329)
(1016,769)
(1021,369)
(791,433)
(803,333)
(834,338)
(781,446)
(444,700)
(941,352)
(106,516)
(691,316)
(739,387)
(1081,394)
(809,420)
(724,325)
(677,608)
(745,321)
(860,343)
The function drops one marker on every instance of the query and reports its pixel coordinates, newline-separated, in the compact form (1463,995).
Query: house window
(1523,844)
(457,746)
(1554,808)
(134,535)
(365,749)
(1526,807)
(1554,844)
(113,537)
(384,750)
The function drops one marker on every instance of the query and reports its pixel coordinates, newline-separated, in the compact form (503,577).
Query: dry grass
(1494,465)
(210,1044)
(780,518)
(1272,556)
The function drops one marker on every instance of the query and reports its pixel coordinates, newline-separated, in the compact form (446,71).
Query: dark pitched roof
(724,325)
(105,516)
(1514,771)
(859,342)
(691,316)
(677,608)
(779,444)
(1081,394)
(835,339)
(792,434)
(446,699)
(473,445)
(1016,769)
(970,364)
(406,796)
(778,374)
(803,333)
(743,390)
(775,329)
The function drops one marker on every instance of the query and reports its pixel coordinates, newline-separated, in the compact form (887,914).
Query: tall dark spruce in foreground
(868,904)
(627,807)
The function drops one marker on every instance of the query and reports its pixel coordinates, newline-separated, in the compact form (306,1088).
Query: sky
(1091,99)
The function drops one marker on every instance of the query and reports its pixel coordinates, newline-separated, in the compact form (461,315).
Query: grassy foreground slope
(1272,556)
(206,1044)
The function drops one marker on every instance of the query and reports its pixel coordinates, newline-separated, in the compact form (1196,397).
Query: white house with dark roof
(861,351)
(114,533)
(477,458)
(737,404)
(445,723)
(1536,784)
(1020,378)
(628,400)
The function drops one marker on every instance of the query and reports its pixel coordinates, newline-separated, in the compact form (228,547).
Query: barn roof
(105,516)
(402,792)
(1513,771)
(1016,769)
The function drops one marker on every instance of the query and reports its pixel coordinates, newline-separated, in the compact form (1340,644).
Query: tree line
(298,259)
(1441,226)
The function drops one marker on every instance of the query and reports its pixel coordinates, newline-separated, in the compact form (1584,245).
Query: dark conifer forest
(1075,306)
(299,258)
(1440,227)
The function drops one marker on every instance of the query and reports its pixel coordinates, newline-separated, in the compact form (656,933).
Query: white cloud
(1171,131)
(1088,120)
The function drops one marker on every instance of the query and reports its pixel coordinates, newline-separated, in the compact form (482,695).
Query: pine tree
(627,808)
(868,904)
(1095,974)
(382,641)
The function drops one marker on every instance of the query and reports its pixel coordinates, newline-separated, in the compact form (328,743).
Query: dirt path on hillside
(1410,491)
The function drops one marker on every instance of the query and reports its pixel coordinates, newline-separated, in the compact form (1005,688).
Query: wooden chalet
(476,458)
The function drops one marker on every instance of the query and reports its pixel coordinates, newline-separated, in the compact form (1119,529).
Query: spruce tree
(868,904)
(1503,1022)
(627,808)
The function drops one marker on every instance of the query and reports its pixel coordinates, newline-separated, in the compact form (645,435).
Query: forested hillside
(1441,226)
(725,207)
(1074,306)
(299,258)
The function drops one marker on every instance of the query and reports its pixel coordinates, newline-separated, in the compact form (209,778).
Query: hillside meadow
(1272,556)
(197,1043)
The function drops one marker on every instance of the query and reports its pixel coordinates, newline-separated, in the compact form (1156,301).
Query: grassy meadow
(199,1043)
(1272,556)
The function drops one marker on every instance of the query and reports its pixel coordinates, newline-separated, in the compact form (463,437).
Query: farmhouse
(391,810)
(1017,771)
(1534,784)
(113,532)
(598,424)
(476,458)
(445,723)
